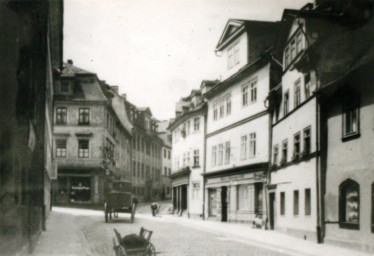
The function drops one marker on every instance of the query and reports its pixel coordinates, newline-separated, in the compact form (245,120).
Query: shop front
(179,183)
(236,195)
(78,188)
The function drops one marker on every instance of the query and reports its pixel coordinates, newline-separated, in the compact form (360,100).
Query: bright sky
(156,51)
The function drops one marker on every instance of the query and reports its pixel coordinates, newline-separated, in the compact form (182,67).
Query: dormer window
(294,47)
(233,55)
(65,87)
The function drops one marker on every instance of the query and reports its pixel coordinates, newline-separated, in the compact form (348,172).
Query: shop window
(213,207)
(282,203)
(61,115)
(84,116)
(296,202)
(349,205)
(60,148)
(258,198)
(83,148)
(308,202)
(243,197)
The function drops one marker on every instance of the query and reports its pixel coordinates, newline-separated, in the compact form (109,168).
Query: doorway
(272,210)
(224,204)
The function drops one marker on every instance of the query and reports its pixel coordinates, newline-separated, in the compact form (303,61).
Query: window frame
(307,151)
(196,158)
(252,145)
(307,203)
(61,152)
(253,90)
(296,145)
(214,155)
(284,149)
(227,152)
(351,107)
(62,117)
(244,94)
(343,203)
(286,103)
(282,203)
(297,93)
(82,114)
(243,147)
(296,202)
(275,154)
(83,152)
(196,124)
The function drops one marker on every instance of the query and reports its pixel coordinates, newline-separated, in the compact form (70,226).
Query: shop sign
(233,178)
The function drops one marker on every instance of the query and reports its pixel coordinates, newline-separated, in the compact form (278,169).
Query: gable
(232,27)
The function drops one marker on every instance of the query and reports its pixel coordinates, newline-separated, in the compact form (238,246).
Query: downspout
(205,115)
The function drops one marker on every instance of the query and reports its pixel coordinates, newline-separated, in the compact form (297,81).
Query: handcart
(134,245)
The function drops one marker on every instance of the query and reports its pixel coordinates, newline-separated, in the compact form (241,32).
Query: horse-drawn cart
(119,199)
(132,245)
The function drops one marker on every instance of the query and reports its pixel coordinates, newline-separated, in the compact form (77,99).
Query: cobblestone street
(168,238)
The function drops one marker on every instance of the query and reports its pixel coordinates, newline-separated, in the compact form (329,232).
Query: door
(272,210)
(224,204)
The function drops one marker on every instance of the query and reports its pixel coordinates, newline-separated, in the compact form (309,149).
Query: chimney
(70,62)
(123,95)
(114,88)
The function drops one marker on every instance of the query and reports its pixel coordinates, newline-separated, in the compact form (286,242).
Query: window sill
(349,226)
(351,137)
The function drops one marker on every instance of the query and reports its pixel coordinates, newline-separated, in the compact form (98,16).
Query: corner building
(238,122)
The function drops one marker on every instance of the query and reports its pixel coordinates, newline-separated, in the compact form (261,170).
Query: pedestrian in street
(154,207)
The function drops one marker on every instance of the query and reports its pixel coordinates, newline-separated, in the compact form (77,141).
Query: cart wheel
(120,251)
(106,212)
(150,250)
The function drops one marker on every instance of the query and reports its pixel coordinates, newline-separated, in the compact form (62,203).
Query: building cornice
(238,170)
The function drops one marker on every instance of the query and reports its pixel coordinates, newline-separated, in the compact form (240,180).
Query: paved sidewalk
(62,238)
(263,238)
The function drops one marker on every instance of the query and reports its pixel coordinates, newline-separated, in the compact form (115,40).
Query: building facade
(31,55)
(146,154)
(188,131)
(237,140)
(91,144)
(293,177)
(166,149)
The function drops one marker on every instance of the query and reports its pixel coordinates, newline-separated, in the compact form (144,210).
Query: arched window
(349,204)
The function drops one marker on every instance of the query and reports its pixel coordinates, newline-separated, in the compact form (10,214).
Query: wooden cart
(119,199)
(134,245)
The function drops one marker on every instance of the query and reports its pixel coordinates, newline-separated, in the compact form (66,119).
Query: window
(297,93)
(244,95)
(275,155)
(307,141)
(214,155)
(196,158)
(61,148)
(282,203)
(296,146)
(299,42)
(258,198)
(296,202)
(83,148)
(188,163)
(307,85)
(84,116)
(286,57)
(65,87)
(228,104)
(308,202)
(188,126)
(243,148)
(61,113)
(253,85)
(220,154)
(293,49)
(221,109)
(252,145)
(196,189)
(349,205)
(164,152)
(233,56)
(243,197)
(196,124)
(215,111)
(134,169)
(350,118)
(168,154)
(284,152)
(227,152)
(285,103)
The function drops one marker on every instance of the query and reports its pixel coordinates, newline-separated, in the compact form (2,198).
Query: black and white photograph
(186,127)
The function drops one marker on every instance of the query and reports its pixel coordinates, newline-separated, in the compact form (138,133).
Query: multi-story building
(237,139)
(166,149)
(91,142)
(31,55)
(293,178)
(146,154)
(345,120)
(188,133)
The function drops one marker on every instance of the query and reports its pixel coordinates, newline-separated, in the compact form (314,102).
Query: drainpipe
(204,150)
(318,172)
